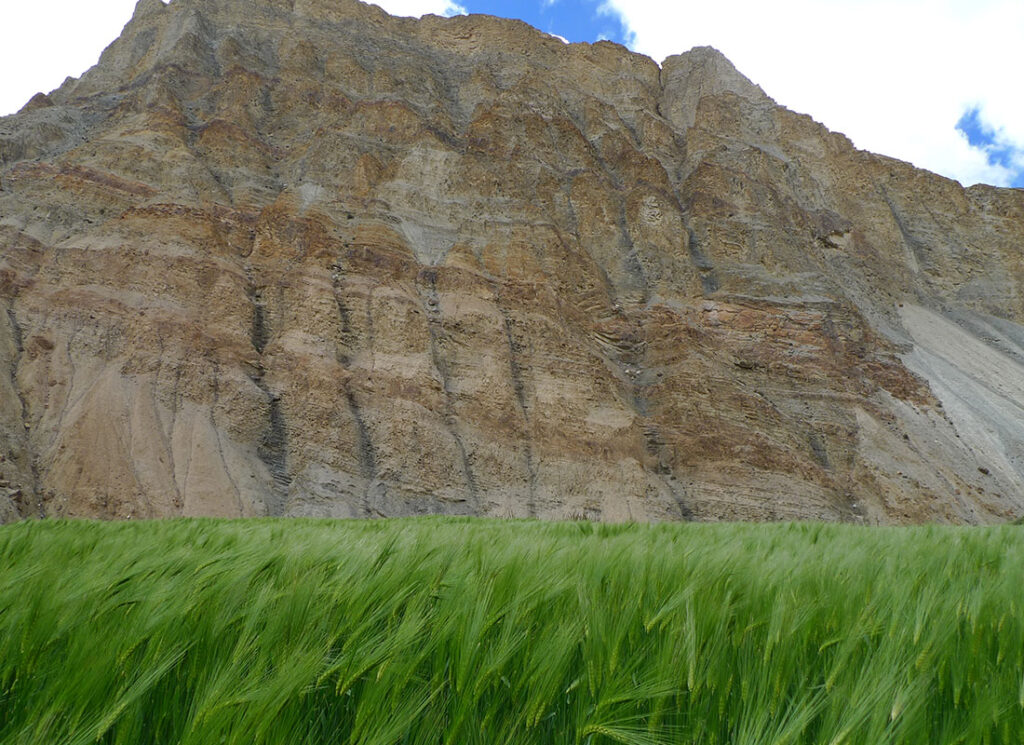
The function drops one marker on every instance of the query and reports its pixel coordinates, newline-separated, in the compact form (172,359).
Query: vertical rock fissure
(272,449)
(633,360)
(166,432)
(657,448)
(708,277)
(633,263)
(21,499)
(913,245)
(819,449)
(344,351)
(435,326)
(258,332)
(367,454)
(516,372)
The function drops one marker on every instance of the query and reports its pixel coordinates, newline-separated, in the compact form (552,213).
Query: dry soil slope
(300,257)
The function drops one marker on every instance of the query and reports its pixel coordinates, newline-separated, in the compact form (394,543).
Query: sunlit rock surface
(298,257)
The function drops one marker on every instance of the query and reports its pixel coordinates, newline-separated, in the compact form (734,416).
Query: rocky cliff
(298,257)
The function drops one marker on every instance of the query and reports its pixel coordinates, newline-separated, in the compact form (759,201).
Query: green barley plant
(447,631)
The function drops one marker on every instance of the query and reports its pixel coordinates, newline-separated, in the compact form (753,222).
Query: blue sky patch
(576,20)
(984,137)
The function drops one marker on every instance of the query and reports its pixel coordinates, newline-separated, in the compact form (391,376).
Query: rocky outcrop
(298,257)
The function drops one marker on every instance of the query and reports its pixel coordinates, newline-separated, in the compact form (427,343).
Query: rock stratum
(299,257)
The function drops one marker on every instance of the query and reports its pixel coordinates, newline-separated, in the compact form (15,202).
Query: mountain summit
(299,257)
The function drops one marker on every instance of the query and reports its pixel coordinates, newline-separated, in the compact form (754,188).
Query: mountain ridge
(307,258)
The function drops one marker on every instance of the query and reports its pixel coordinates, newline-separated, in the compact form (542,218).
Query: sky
(933,82)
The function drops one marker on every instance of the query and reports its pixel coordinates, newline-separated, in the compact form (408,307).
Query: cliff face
(300,257)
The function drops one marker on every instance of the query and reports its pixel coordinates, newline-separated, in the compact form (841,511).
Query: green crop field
(464,632)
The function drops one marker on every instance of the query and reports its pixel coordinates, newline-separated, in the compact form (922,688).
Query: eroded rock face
(298,257)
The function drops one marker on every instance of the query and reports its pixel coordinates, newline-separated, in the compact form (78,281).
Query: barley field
(471,632)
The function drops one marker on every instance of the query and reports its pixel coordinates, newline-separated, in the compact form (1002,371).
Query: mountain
(299,257)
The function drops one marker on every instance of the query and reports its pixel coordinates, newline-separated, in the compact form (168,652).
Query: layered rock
(298,257)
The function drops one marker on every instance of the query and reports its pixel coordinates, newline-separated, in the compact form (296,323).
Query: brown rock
(304,258)
(38,101)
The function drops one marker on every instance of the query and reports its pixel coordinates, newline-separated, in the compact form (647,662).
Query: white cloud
(893,75)
(47,40)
